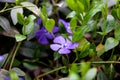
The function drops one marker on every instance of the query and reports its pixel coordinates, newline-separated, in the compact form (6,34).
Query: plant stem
(9,56)
(95,62)
(3,10)
(14,54)
(39,76)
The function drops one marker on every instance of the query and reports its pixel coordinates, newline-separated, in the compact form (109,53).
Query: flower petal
(1,58)
(73,46)
(39,21)
(48,35)
(39,33)
(55,47)
(43,40)
(55,29)
(66,25)
(59,39)
(64,51)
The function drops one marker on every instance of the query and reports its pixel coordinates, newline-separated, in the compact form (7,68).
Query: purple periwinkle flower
(63,45)
(39,21)
(66,25)
(10,78)
(1,58)
(43,35)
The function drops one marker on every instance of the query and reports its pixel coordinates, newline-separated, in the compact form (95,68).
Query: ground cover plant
(59,39)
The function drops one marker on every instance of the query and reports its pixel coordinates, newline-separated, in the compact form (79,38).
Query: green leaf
(75,5)
(31,18)
(101,75)
(32,7)
(28,52)
(111,71)
(110,43)
(30,66)
(117,33)
(95,9)
(18,71)
(79,33)
(118,12)
(73,75)
(27,29)
(50,25)
(33,32)
(14,12)
(104,10)
(56,55)
(71,14)
(4,23)
(3,73)
(73,24)
(84,45)
(19,37)
(71,4)
(29,25)
(44,11)
(13,75)
(20,18)
(84,68)
(91,73)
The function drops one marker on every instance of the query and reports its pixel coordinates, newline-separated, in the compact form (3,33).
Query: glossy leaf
(4,23)
(18,71)
(30,66)
(101,76)
(79,33)
(118,12)
(75,5)
(84,45)
(100,47)
(50,25)
(73,24)
(73,75)
(13,75)
(28,28)
(20,18)
(14,12)
(71,14)
(19,37)
(32,7)
(95,9)
(117,33)
(110,43)
(84,68)
(91,73)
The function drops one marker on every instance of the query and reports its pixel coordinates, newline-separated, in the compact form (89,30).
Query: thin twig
(3,10)
(95,62)
(14,54)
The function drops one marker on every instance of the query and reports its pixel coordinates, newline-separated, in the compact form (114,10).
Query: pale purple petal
(43,40)
(73,46)
(59,39)
(1,58)
(55,29)
(64,51)
(55,47)
(66,25)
